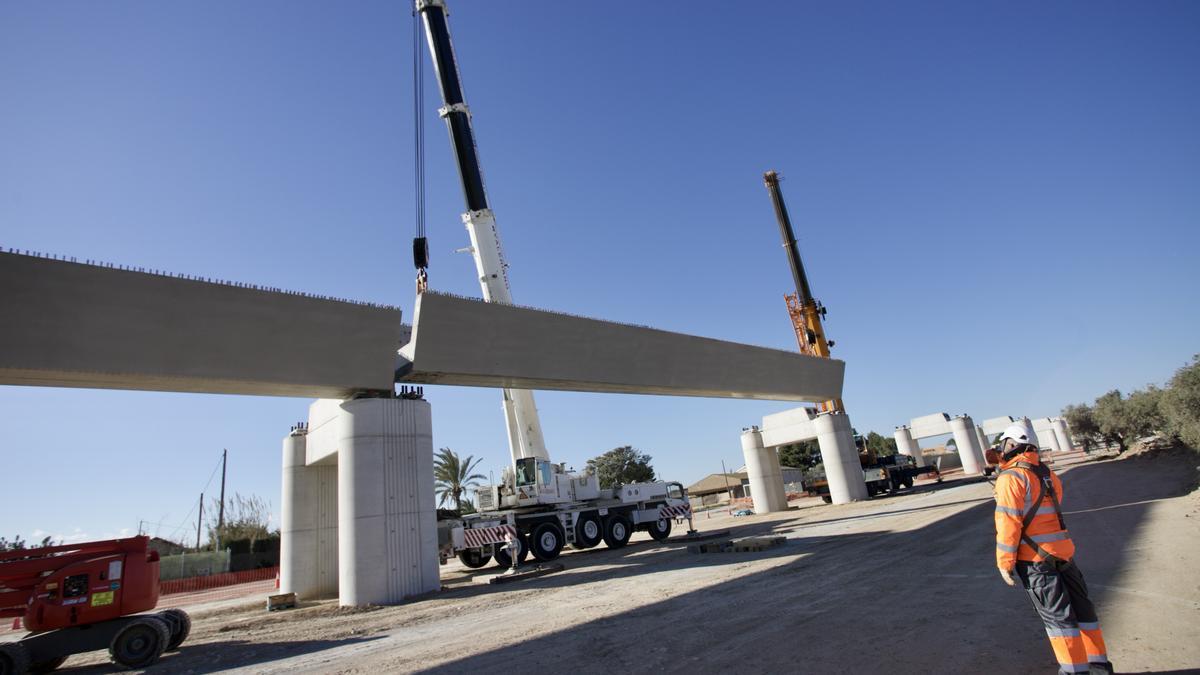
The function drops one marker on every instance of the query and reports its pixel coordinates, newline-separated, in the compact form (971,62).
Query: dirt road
(902,584)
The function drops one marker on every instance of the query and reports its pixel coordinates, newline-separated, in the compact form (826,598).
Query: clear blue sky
(998,202)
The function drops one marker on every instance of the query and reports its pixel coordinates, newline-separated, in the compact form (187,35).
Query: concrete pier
(963,429)
(842,468)
(1064,435)
(764,473)
(308,555)
(907,445)
(387,527)
(983,442)
(358,503)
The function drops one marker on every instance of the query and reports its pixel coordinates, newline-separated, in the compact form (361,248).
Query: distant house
(716,488)
(793,479)
(165,547)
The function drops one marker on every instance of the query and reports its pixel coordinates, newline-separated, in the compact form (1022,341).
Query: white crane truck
(542,508)
(537,505)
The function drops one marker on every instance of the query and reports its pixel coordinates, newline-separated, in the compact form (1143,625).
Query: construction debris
(527,573)
(747,545)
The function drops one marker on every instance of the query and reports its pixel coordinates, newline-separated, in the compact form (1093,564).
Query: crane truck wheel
(659,529)
(617,530)
(180,625)
(504,559)
(140,643)
(474,558)
(546,541)
(588,531)
(14,659)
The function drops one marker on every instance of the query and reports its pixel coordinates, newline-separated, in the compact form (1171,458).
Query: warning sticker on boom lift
(99,599)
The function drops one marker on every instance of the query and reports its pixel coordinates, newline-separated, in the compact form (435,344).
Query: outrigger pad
(461,341)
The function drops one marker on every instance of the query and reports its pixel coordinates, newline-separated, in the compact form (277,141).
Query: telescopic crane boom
(805,310)
(520,411)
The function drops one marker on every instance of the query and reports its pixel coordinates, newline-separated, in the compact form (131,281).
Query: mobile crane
(807,313)
(537,505)
(77,598)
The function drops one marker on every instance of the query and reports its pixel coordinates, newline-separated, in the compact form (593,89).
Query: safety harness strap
(1044,485)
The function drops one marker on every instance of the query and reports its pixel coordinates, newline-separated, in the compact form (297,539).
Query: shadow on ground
(214,656)
(927,600)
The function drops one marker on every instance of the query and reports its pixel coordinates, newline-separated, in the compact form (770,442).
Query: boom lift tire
(617,530)
(588,531)
(14,659)
(546,541)
(659,529)
(474,558)
(180,625)
(504,559)
(140,643)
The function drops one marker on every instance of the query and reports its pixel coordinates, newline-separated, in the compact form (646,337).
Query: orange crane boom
(805,311)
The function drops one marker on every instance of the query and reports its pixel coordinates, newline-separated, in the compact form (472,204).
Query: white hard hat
(1020,434)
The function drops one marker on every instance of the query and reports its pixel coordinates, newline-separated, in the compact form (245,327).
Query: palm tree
(452,476)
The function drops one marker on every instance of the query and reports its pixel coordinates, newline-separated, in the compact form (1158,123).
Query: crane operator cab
(538,481)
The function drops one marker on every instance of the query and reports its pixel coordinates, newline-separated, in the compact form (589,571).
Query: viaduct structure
(358,515)
(832,431)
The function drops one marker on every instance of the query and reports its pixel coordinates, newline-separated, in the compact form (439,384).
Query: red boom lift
(81,597)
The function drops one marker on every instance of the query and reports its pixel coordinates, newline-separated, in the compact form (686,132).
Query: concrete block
(936,424)
(789,426)
(995,425)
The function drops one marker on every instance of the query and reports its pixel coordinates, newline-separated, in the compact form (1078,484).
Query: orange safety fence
(194,584)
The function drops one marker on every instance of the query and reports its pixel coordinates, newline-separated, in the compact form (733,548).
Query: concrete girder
(81,325)
(461,341)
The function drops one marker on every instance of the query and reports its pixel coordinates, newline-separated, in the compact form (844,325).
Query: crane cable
(420,243)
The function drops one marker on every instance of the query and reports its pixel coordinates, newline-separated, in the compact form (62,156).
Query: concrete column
(1064,435)
(983,442)
(387,529)
(907,445)
(967,441)
(842,468)
(1048,439)
(766,477)
(308,543)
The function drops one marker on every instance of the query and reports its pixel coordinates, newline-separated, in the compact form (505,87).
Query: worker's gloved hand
(1008,577)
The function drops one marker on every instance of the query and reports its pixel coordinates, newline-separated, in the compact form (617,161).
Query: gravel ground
(901,584)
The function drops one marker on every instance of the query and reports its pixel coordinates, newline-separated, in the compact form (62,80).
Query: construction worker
(1032,540)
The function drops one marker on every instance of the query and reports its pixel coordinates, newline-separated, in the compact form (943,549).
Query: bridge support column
(842,468)
(983,442)
(387,528)
(308,544)
(907,445)
(764,473)
(1064,436)
(967,442)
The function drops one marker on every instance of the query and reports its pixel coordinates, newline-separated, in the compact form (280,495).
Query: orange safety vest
(1026,530)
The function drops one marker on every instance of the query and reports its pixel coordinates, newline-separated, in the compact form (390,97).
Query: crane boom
(805,311)
(520,411)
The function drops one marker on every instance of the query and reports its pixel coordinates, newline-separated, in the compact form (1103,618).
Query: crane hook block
(420,252)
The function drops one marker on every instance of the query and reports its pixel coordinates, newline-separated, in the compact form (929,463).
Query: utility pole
(221,509)
(199,521)
(728,490)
